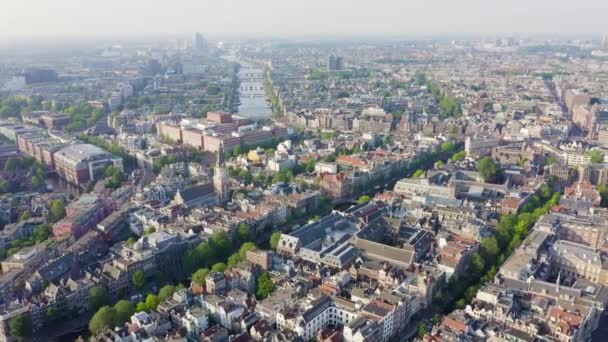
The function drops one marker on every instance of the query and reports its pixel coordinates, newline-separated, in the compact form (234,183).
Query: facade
(83,215)
(83,163)
(337,186)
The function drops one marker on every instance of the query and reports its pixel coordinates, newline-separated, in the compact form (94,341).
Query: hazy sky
(54,18)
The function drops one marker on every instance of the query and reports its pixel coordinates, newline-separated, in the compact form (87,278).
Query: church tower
(220,178)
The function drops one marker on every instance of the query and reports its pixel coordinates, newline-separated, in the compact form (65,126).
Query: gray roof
(196,192)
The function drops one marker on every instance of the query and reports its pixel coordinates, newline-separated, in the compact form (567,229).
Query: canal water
(252,95)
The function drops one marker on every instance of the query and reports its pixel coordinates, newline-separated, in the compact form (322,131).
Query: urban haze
(265,170)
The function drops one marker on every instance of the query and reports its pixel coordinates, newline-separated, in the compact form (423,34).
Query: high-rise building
(200,44)
(40,76)
(331,62)
(339,63)
(335,63)
(605,42)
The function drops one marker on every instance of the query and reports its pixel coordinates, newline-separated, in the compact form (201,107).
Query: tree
(221,245)
(233,260)
(459,156)
(199,276)
(419,173)
(218,267)
(11,165)
(25,216)
(124,309)
(460,304)
(57,210)
(139,280)
(363,199)
(422,330)
(448,147)
(131,241)
(310,164)
(246,247)
(596,156)
(244,232)
(166,292)
(20,327)
(478,264)
(98,297)
(141,306)
(104,317)
(274,240)
(489,248)
(265,286)
(37,181)
(488,169)
(152,301)
(110,170)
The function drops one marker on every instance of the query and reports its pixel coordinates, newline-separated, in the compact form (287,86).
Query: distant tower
(199,43)
(605,42)
(331,63)
(220,178)
(339,63)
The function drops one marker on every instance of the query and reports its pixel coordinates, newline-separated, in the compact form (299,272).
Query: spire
(220,155)
(559,275)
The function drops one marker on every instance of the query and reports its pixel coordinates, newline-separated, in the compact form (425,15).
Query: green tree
(25,216)
(152,301)
(98,297)
(247,246)
(139,280)
(489,248)
(459,156)
(221,245)
(310,164)
(124,309)
(422,330)
(419,173)
(20,327)
(104,317)
(199,276)
(448,147)
(233,260)
(550,160)
(141,306)
(218,267)
(488,169)
(596,156)
(110,171)
(363,199)
(265,286)
(57,210)
(37,181)
(274,240)
(478,264)
(166,292)
(244,232)
(131,241)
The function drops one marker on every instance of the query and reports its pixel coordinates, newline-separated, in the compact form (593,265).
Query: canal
(252,95)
